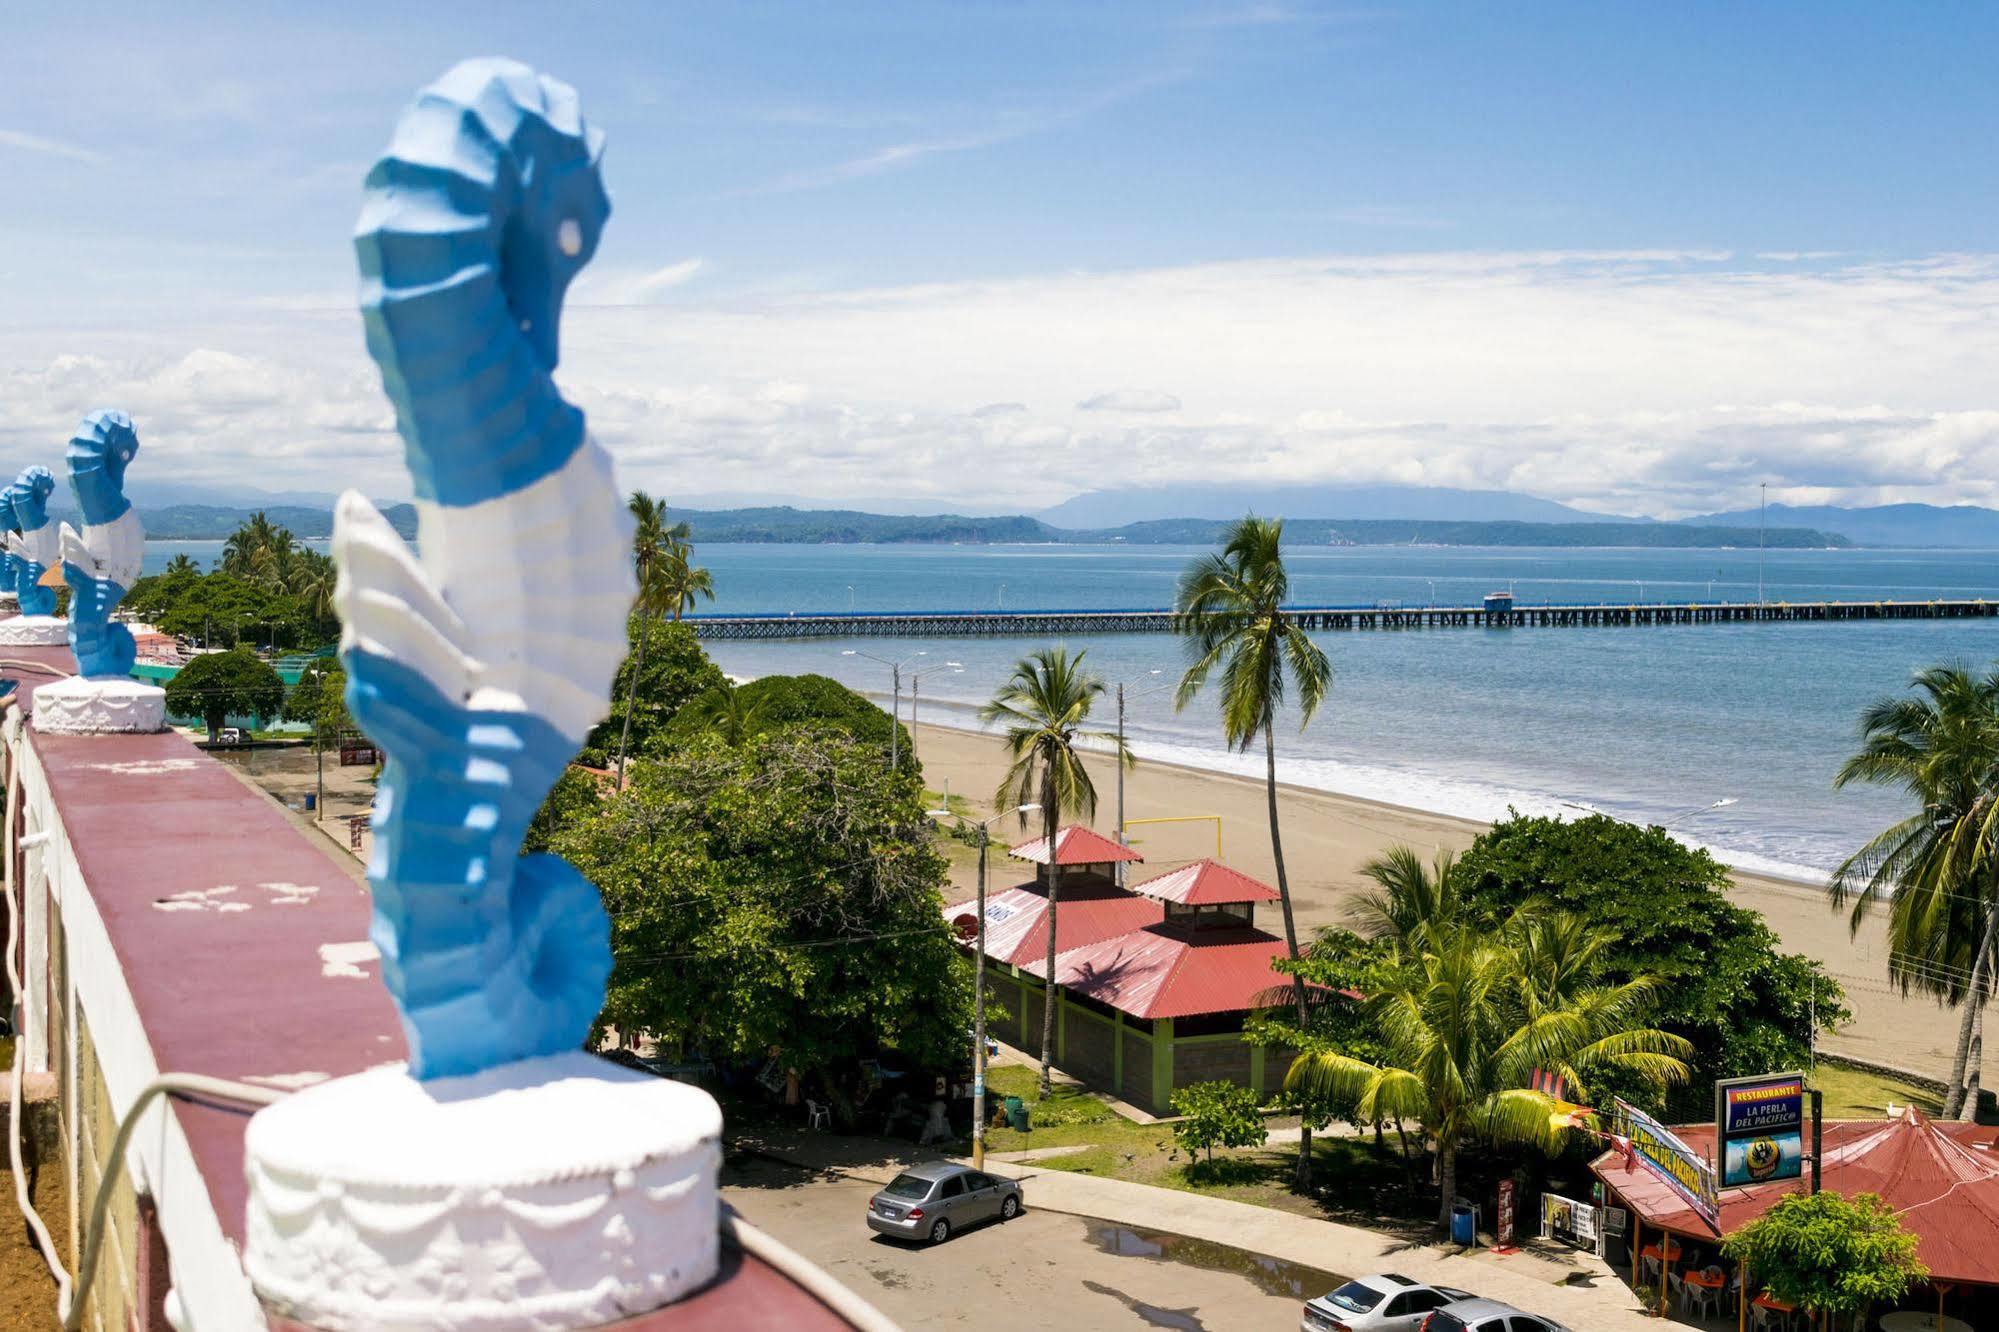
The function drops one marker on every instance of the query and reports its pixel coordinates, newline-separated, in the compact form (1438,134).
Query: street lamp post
(1118,759)
(979,980)
(915,684)
(895,701)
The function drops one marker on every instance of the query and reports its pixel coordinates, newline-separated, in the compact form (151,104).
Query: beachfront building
(1941,1177)
(1152,982)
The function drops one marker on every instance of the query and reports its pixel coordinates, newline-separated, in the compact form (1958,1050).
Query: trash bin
(311,801)
(1464,1229)
(1016,1114)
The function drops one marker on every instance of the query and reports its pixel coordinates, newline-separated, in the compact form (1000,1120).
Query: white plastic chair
(1677,1287)
(818,1114)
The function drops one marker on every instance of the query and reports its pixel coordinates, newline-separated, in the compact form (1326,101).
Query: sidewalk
(1593,1301)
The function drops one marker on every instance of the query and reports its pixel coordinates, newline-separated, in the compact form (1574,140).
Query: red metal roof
(1206,883)
(1942,1178)
(1017,920)
(1075,845)
(1167,971)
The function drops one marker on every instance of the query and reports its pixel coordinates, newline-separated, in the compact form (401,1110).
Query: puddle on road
(1272,1276)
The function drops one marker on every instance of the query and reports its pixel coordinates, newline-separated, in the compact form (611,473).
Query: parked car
(231,735)
(1389,1302)
(1488,1316)
(934,1202)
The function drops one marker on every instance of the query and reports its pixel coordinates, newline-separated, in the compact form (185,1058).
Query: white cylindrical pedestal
(33,631)
(77,706)
(562,1192)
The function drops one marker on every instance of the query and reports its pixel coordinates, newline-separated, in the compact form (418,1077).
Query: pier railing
(1034,623)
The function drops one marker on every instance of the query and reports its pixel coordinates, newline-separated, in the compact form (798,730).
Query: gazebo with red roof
(1152,982)
(1941,1177)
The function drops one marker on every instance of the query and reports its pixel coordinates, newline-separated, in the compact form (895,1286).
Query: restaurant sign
(1672,1160)
(1759,1124)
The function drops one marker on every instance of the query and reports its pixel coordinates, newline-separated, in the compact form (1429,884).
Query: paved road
(1041,1270)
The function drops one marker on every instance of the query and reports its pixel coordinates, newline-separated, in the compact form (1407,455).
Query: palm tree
(652,542)
(1408,896)
(683,579)
(1042,709)
(181,566)
(724,711)
(1467,1023)
(1231,610)
(1937,867)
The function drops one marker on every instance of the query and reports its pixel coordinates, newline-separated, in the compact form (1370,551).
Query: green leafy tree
(570,803)
(779,895)
(665,670)
(786,702)
(319,700)
(218,685)
(727,712)
(1746,1006)
(1231,611)
(1939,867)
(1830,1255)
(652,544)
(1042,711)
(1464,1024)
(684,582)
(1408,896)
(1216,1114)
(181,566)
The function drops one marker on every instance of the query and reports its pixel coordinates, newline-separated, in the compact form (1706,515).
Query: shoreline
(1329,836)
(1166,754)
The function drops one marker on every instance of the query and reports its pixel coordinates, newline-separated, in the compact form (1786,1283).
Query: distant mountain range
(819,526)
(1369,515)
(1962,525)
(214,522)
(1115,508)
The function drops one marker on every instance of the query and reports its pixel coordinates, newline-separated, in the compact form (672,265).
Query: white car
(1488,1316)
(1385,1303)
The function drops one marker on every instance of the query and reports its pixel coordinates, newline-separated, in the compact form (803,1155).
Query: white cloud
(1130,400)
(35,143)
(1660,382)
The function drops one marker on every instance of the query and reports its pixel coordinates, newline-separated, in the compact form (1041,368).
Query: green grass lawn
(1852,1093)
(1355,1182)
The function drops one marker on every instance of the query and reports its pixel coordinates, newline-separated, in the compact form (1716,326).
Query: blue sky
(1463,244)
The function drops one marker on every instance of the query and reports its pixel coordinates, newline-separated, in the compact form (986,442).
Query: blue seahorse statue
(35,547)
(480,665)
(10,563)
(101,563)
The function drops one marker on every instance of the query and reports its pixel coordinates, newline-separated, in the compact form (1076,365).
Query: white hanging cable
(16,1102)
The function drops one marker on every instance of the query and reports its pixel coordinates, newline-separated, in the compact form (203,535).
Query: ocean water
(1650,724)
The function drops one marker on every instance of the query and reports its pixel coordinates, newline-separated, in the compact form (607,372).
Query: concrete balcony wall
(178,920)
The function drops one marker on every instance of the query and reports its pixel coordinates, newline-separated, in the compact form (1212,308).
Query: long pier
(1558,615)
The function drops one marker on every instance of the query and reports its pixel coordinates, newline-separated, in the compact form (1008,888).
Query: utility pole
(915,684)
(979,978)
(1762,528)
(895,720)
(1118,761)
(1818,1135)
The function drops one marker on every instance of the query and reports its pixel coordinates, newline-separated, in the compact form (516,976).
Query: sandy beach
(1328,837)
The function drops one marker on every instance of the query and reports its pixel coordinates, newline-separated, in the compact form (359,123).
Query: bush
(792,702)
(1216,1114)
(219,685)
(1829,1254)
(1746,1006)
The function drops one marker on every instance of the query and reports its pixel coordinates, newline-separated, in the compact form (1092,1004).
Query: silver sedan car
(1390,1302)
(933,1202)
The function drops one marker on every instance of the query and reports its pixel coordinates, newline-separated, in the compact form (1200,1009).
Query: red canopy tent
(1942,1177)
